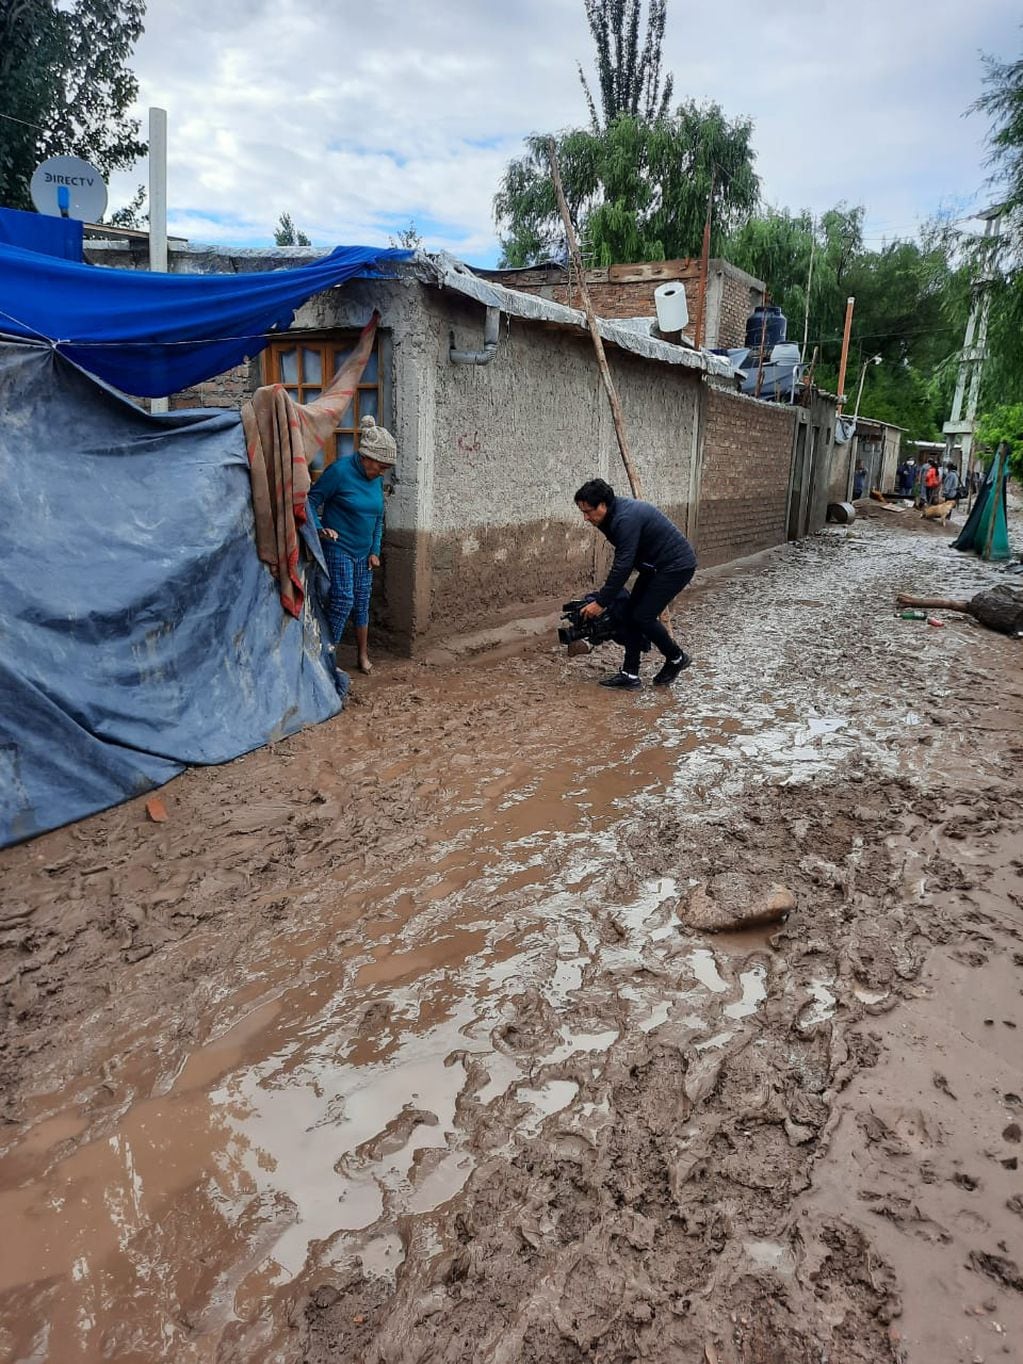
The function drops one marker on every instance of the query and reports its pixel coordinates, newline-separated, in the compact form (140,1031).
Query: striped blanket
(281,438)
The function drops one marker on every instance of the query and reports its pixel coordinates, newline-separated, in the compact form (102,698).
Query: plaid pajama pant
(351,582)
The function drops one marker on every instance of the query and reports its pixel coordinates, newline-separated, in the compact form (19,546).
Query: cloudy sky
(357,117)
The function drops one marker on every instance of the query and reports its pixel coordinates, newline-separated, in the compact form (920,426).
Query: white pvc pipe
(158,206)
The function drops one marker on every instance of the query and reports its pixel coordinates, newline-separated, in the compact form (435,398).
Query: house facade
(481,524)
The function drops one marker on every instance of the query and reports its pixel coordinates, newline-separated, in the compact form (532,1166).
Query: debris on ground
(999,608)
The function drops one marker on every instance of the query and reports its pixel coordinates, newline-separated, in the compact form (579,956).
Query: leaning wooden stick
(598,340)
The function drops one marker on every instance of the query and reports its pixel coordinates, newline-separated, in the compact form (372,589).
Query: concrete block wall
(744,476)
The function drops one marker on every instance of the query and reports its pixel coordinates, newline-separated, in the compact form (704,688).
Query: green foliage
(1004,422)
(408,239)
(636,190)
(629,77)
(1002,102)
(286,233)
(130,214)
(64,78)
(911,305)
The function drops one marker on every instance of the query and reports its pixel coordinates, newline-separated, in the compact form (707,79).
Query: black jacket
(643,538)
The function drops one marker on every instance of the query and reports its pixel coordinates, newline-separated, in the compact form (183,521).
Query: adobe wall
(514,440)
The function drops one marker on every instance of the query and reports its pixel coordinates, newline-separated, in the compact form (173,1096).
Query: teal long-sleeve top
(348,502)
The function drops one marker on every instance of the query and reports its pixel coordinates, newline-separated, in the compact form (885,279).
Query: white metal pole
(158,206)
(809,286)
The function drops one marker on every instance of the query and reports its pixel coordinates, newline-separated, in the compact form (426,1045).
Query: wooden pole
(598,341)
(850,304)
(701,293)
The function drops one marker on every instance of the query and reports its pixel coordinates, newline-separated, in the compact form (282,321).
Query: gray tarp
(139,632)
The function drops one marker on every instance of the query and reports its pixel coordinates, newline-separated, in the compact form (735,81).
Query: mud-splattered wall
(514,440)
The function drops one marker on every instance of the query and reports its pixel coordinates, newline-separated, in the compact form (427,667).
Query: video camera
(581,636)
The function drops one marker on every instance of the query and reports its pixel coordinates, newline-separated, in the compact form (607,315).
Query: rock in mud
(731,901)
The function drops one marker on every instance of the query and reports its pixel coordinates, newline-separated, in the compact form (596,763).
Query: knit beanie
(376,442)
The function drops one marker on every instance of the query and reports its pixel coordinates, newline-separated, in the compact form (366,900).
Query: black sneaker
(622,680)
(670,671)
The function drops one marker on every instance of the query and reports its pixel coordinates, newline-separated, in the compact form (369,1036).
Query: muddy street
(394,1043)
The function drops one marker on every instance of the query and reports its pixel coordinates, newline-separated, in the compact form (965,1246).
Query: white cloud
(355,118)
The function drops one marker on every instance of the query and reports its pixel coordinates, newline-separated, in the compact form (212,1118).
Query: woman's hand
(591,610)
(373,561)
(327,534)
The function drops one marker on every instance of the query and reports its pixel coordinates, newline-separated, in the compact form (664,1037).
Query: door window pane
(288,360)
(368,402)
(309,395)
(346,443)
(312,366)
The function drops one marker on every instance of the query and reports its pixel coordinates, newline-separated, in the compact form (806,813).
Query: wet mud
(396,1041)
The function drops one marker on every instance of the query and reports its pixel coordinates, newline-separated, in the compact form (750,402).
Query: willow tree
(637,190)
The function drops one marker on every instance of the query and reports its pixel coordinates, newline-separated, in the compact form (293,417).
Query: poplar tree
(628,76)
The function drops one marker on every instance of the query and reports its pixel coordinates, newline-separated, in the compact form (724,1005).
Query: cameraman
(645,540)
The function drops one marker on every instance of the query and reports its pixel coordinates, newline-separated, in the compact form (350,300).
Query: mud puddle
(419,1017)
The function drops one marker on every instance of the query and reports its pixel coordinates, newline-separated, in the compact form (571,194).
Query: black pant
(649,597)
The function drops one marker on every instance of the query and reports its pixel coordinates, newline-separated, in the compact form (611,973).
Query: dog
(941,511)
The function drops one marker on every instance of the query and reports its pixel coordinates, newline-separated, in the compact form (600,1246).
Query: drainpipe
(491,336)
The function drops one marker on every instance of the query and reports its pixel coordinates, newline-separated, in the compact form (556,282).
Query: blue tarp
(152,335)
(139,632)
(41,232)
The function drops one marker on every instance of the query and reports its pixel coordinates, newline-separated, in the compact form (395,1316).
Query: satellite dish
(67,187)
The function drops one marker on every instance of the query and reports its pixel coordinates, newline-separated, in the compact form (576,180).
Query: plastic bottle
(912,614)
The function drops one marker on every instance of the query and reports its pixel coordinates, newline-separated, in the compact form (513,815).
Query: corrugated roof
(453,274)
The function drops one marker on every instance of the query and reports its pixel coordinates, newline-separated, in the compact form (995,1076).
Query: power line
(24,123)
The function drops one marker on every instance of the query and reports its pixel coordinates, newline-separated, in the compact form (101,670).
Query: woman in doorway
(348,499)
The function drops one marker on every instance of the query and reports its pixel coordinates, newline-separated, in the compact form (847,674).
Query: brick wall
(634,298)
(628,291)
(744,481)
(229,389)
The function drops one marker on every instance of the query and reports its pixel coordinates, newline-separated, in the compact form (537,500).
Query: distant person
(348,498)
(950,484)
(646,540)
(932,483)
(859,482)
(908,478)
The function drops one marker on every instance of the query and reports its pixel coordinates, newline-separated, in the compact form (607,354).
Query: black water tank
(777,325)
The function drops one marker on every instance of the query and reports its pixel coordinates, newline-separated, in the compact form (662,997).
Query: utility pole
(850,304)
(158,206)
(974,353)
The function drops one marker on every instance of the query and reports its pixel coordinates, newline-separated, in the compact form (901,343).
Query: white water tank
(672,309)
